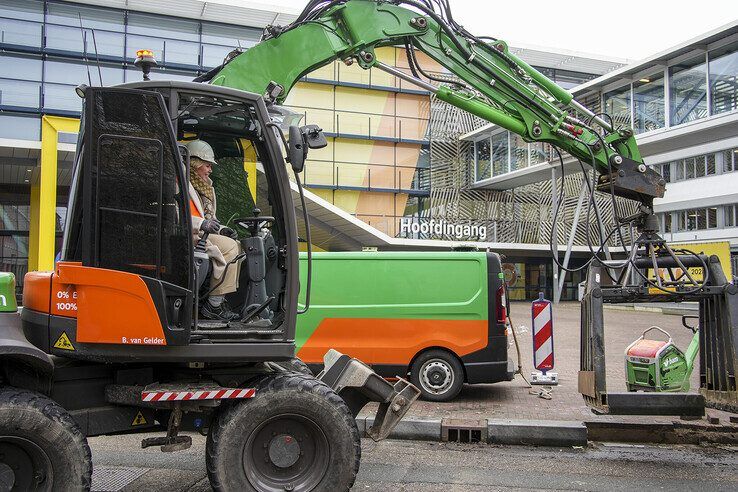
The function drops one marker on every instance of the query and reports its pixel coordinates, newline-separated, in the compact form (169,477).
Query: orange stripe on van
(393,341)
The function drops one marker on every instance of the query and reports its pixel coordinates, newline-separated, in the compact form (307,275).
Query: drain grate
(464,431)
(114,478)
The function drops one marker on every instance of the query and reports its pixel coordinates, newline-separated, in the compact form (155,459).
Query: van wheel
(295,434)
(438,374)
(41,446)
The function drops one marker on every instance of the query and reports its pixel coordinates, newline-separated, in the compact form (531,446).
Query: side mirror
(314,136)
(297,149)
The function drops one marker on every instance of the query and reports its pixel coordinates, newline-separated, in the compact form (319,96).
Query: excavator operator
(222,244)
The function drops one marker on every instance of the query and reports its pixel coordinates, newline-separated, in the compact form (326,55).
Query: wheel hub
(436,376)
(23,464)
(284,450)
(7,477)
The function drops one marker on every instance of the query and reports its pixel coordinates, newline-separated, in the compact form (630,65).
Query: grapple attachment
(358,384)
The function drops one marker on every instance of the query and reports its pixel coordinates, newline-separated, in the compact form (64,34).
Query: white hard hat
(201,149)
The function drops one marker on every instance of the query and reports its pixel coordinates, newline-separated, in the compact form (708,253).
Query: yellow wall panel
(362,100)
(327,72)
(348,174)
(407,154)
(311,95)
(413,105)
(324,118)
(353,73)
(346,200)
(326,195)
(353,150)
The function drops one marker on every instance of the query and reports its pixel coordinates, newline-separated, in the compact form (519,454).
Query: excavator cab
(129,280)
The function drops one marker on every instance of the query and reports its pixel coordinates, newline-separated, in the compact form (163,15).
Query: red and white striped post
(543,346)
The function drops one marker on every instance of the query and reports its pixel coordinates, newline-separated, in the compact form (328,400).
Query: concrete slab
(560,433)
(415,428)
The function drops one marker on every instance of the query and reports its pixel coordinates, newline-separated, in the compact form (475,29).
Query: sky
(626,29)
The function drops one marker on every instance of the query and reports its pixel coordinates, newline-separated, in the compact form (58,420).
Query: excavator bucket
(718,345)
(358,384)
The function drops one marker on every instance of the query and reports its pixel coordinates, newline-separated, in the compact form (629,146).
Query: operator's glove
(211,226)
(228,232)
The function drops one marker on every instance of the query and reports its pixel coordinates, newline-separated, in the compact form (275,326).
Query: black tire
(295,434)
(438,375)
(41,446)
(295,365)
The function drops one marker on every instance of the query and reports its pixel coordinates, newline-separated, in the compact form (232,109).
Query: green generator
(657,365)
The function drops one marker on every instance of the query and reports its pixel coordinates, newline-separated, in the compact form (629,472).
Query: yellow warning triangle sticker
(63,342)
(139,419)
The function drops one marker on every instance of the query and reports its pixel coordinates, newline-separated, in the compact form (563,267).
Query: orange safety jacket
(193,209)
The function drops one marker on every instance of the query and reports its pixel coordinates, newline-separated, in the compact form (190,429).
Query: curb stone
(531,432)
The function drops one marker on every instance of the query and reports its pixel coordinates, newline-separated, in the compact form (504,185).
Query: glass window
(666,172)
(688,87)
(667,222)
(689,168)
(729,215)
(62,72)
(21,67)
(482,155)
(617,105)
(730,160)
(679,166)
(31,10)
(499,154)
(568,80)
(133,74)
(20,127)
(61,97)
(724,79)
(70,39)
(166,50)
(213,56)
(20,33)
(712,217)
(518,152)
(538,153)
(230,36)
(710,168)
(92,17)
(648,102)
(19,93)
(162,27)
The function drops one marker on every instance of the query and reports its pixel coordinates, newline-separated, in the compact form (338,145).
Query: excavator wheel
(295,434)
(41,446)
(294,365)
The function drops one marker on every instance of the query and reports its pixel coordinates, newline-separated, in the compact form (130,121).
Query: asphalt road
(428,467)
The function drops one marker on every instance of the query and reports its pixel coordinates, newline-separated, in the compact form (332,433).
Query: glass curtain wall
(688,87)
(724,79)
(648,103)
(500,156)
(617,104)
(45,54)
(482,159)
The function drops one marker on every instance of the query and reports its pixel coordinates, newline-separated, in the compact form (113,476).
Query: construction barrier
(543,347)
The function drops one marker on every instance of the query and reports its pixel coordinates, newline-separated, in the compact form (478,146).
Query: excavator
(110,340)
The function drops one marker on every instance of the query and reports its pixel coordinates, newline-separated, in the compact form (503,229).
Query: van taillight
(501,301)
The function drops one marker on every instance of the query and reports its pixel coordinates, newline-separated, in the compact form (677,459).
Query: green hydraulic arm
(492,82)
